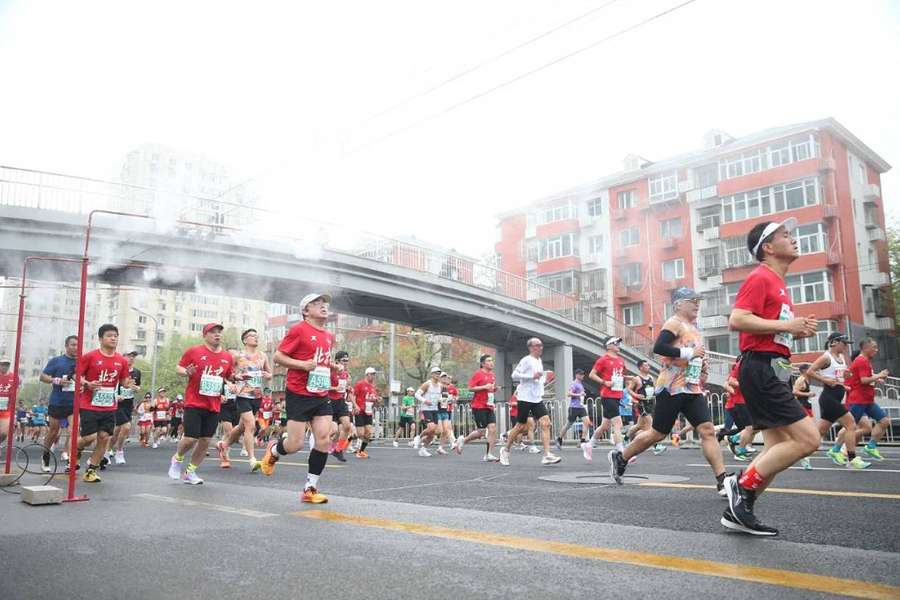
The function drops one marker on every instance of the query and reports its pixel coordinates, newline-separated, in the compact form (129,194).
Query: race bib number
(211,385)
(267,414)
(160,415)
(104,397)
(342,385)
(319,380)
(255,380)
(68,386)
(692,373)
(618,383)
(648,392)
(839,374)
(490,400)
(179,413)
(784,339)
(369,405)
(127,394)
(4,403)
(443,402)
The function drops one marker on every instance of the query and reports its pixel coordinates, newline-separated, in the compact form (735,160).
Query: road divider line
(244,512)
(842,469)
(778,577)
(698,486)
(289,464)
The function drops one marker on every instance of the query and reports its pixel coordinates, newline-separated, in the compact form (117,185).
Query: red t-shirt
(737,397)
(210,365)
(453,392)
(860,393)
(365,393)
(265,408)
(161,413)
(513,405)
(7,383)
(176,409)
(764,294)
(342,382)
(609,367)
(305,342)
(109,371)
(480,399)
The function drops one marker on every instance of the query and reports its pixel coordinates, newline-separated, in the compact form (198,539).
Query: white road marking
(244,512)
(845,469)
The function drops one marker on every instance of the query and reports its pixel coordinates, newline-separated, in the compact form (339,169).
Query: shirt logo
(781,292)
(312,338)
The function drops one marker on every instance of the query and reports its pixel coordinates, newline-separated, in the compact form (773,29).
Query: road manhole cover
(595,478)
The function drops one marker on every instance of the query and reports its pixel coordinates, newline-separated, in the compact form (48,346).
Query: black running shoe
(732,445)
(339,454)
(740,505)
(617,466)
(103,462)
(728,521)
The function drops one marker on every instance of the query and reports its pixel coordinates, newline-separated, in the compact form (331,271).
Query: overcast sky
(289,92)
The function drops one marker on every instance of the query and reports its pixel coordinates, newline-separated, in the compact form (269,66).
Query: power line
(521,76)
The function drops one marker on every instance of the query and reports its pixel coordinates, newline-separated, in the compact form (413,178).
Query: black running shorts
(483,417)
(830,407)
(339,409)
(530,409)
(765,382)
(646,407)
(227,413)
(306,408)
(92,421)
(60,412)
(362,420)
(610,407)
(123,412)
(577,412)
(245,404)
(200,423)
(429,416)
(741,416)
(692,406)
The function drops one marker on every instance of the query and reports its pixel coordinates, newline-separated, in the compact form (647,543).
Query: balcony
(875,233)
(619,215)
(711,234)
(832,257)
(705,271)
(831,210)
(710,191)
(826,164)
(685,185)
(713,322)
(872,193)
(625,291)
(714,280)
(595,297)
(874,278)
(669,243)
(885,323)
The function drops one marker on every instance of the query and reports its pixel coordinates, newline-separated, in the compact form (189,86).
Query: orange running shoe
(676,439)
(312,496)
(267,464)
(224,462)
(362,454)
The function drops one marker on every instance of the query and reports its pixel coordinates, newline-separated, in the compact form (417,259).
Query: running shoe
(750,449)
(559,443)
(617,465)
(417,442)
(741,455)
(533,449)
(489,458)
(504,456)
(676,439)
(339,454)
(224,462)
(45,462)
(872,453)
(836,457)
(550,459)
(155,445)
(458,446)
(396,444)
(424,453)
(730,522)
(440,450)
(244,452)
(587,450)
(175,468)
(733,445)
(361,454)
(103,462)
(740,507)
(269,459)
(191,477)
(64,456)
(632,460)
(255,465)
(120,457)
(858,463)
(312,496)
(411,443)
(805,464)
(90,476)
(658,449)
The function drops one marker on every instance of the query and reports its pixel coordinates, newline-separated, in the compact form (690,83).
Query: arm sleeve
(663,345)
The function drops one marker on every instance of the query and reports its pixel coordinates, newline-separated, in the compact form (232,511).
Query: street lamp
(155,349)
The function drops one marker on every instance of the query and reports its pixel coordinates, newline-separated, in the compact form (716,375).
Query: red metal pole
(73,425)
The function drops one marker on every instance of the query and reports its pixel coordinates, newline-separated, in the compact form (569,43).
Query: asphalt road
(400,526)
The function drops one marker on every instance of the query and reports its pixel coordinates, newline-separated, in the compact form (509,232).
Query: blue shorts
(443,415)
(874,411)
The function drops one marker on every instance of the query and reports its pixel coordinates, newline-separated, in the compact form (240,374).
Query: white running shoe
(423,452)
(411,443)
(396,444)
(533,450)
(504,456)
(440,450)
(155,445)
(244,452)
(458,446)
(175,468)
(191,478)
(64,457)
(550,459)
(489,458)
(587,450)
(417,442)
(120,457)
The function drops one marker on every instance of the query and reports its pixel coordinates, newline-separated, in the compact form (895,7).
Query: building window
(630,237)
(736,253)
(731,292)
(673,269)
(810,238)
(710,261)
(775,155)
(751,161)
(710,216)
(816,342)
(558,213)
(630,274)
(565,283)
(778,198)
(556,247)
(719,343)
(663,187)
(595,207)
(706,176)
(177,323)
(595,243)
(141,334)
(196,326)
(809,287)
(532,250)
(593,281)
(625,199)
(670,228)
(142,350)
(142,319)
(668,311)
(633,314)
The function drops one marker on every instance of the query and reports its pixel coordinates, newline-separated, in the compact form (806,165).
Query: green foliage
(893,236)
(169,355)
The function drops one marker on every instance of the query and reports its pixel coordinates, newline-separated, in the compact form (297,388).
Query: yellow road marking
(697,486)
(289,464)
(779,577)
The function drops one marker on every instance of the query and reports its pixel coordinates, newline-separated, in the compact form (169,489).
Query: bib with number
(127,394)
(692,372)
(443,402)
(369,405)
(342,385)
(784,339)
(319,380)
(490,400)
(839,374)
(211,385)
(4,403)
(255,380)
(160,415)
(648,391)
(104,397)
(267,415)
(618,383)
(69,386)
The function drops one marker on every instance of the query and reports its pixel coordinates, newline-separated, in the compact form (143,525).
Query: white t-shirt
(529,388)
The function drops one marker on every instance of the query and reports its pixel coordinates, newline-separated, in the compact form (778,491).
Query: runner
(341,409)
(429,395)
(763,313)
(228,418)
(802,393)
(577,409)
(861,398)
(306,353)
(38,420)
(453,395)
(264,419)
(101,372)
(741,433)
(145,419)
(125,398)
(445,422)
(407,424)
(177,416)
(60,372)
(207,368)
(160,416)
(679,389)
(366,400)
(251,369)
(7,388)
(609,373)
(643,389)
(483,385)
(530,393)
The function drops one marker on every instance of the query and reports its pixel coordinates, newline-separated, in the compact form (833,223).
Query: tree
(893,236)
(166,375)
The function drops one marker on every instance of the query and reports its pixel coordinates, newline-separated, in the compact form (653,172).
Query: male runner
(101,372)
(340,409)
(861,399)
(577,409)
(609,373)
(643,389)
(444,414)
(407,425)
(264,419)
(251,369)
(228,417)
(177,417)
(367,399)
(125,398)
(679,389)
(429,395)
(7,387)
(763,313)
(483,385)
(208,368)
(39,419)
(803,393)
(160,416)
(145,419)
(306,353)
(60,372)
(530,393)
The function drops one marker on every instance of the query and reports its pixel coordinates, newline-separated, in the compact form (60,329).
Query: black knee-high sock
(317,460)
(365,443)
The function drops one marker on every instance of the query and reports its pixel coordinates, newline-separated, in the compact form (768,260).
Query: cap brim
(790,224)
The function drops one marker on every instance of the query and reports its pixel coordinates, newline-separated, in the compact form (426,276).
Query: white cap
(312,298)
(789,224)
(444,374)
(370,370)
(435,369)
(613,340)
